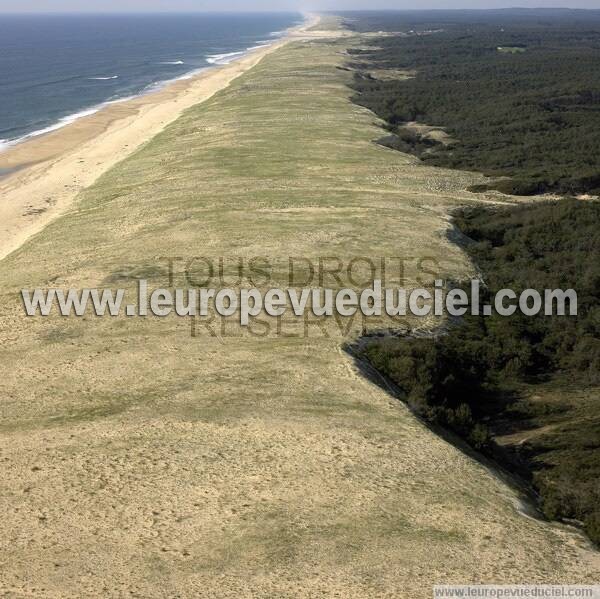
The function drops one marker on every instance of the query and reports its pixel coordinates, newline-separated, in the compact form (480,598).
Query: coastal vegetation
(516,98)
(494,380)
(517,92)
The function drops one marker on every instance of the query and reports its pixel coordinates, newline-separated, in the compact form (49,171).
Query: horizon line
(294,11)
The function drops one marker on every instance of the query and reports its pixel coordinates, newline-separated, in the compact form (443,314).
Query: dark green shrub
(470,380)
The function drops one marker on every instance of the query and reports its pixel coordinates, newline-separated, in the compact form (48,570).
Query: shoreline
(44,174)
(213,61)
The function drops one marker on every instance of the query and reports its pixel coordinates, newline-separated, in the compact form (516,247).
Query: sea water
(55,69)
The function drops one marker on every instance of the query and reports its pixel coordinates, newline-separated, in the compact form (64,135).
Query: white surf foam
(172,62)
(63,122)
(183,77)
(265,45)
(213,59)
(225,58)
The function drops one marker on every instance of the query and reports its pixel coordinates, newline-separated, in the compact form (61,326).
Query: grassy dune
(139,461)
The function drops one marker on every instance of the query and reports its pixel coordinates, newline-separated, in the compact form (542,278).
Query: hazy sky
(248,5)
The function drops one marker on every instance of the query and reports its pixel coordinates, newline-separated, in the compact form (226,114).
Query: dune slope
(138,460)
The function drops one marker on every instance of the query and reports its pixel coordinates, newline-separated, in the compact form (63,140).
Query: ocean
(57,68)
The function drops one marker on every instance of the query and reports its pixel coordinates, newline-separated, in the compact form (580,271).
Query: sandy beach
(43,175)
